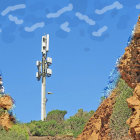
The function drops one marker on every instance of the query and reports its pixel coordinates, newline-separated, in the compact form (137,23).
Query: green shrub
(84,114)
(102,99)
(46,128)
(121,111)
(75,125)
(17,132)
(56,125)
(57,115)
(2,111)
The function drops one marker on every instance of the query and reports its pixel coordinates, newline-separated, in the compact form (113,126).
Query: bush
(84,114)
(121,111)
(46,128)
(74,125)
(2,111)
(102,99)
(17,132)
(56,125)
(56,115)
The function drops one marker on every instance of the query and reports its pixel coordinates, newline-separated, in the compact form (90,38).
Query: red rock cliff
(97,128)
(129,68)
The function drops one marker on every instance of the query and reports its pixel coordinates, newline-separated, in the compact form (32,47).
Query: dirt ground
(51,138)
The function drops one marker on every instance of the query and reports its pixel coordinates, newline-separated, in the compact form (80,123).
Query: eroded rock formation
(6,119)
(134,120)
(97,127)
(6,102)
(129,68)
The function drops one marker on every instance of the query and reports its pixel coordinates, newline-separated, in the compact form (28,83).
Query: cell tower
(43,71)
(1,85)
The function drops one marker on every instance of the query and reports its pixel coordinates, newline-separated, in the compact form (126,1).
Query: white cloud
(85,18)
(116,5)
(15,19)
(138,6)
(60,12)
(12,8)
(34,27)
(100,31)
(65,27)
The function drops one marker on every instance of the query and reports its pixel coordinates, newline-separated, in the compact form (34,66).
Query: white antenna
(1,85)
(43,71)
(47,49)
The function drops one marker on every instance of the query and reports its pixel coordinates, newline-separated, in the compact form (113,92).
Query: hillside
(118,117)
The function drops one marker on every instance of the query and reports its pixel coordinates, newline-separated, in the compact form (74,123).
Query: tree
(57,115)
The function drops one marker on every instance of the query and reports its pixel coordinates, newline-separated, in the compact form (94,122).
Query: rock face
(129,68)
(6,102)
(134,120)
(97,127)
(6,119)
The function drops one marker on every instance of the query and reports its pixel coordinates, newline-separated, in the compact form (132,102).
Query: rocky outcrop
(134,120)
(6,102)
(6,119)
(129,68)
(97,127)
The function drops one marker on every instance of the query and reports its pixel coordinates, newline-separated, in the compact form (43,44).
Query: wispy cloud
(138,6)
(65,27)
(85,18)
(0,30)
(15,19)
(100,31)
(12,8)
(60,12)
(116,5)
(34,27)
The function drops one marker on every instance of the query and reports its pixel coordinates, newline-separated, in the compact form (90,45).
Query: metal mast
(43,70)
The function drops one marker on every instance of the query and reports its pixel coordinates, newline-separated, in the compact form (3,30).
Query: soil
(51,138)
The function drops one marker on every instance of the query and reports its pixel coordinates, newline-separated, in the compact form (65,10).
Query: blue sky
(86,38)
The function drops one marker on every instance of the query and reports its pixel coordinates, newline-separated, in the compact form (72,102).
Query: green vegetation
(17,132)
(84,114)
(46,128)
(55,124)
(57,115)
(102,99)
(121,112)
(1,111)
(74,125)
